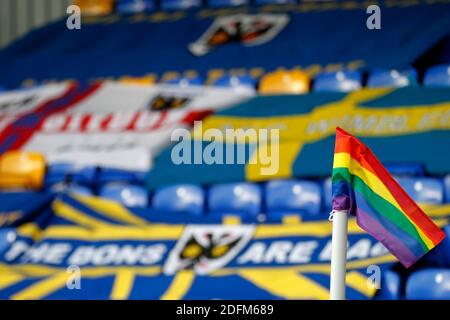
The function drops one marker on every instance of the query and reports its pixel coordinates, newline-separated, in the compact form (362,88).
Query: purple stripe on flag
(394,245)
(341,203)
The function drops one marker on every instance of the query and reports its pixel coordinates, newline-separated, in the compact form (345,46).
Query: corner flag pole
(338,254)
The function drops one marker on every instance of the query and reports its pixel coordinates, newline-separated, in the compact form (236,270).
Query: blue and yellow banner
(298,136)
(92,248)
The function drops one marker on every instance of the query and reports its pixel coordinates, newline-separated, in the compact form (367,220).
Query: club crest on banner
(247,29)
(167,102)
(16,104)
(207,248)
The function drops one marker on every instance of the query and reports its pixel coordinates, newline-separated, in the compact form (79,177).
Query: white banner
(14,104)
(119,119)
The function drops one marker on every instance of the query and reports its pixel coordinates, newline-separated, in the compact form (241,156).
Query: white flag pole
(338,254)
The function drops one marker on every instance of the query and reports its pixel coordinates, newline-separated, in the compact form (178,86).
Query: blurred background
(91,95)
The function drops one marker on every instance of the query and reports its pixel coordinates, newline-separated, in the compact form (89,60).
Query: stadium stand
(339,81)
(327,193)
(205,217)
(179,4)
(7,236)
(284,82)
(72,188)
(264,2)
(440,256)
(242,199)
(144,80)
(94,8)
(447,188)
(406,169)
(392,78)
(21,170)
(227,3)
(135,6)
(390,287)
(284,197)
(429,284)
(127,194)
(423,190)
(107,175)
(437,76)
(244,82)
(185,81)
(67,172)
(188,199)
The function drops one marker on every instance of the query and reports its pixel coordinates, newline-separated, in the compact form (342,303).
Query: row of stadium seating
(297,82)
(431,280)
(279,197)
(425,284)
(92,7)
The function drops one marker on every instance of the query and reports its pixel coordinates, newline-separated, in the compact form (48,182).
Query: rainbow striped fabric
(363,186)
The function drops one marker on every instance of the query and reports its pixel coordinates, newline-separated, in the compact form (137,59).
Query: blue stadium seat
(390,287)
(437,76)
(263,2)
(180,4)
(392,78)
(66,172)
(181,198)
(185,81)
(80,190)
(429,284)
(340,81)
(406,169)
(107,175)
(2,89)
(72,188)
(135,6)
(447,188)
(227,3)
(440,255)
(327,193)
(127,194)
(292,196)
(244,82)
(423,190)
(235,198)
(7,237)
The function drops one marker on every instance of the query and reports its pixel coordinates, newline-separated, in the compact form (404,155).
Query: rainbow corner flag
(363,186)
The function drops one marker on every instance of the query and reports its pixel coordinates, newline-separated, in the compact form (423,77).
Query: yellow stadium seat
(292,219)
(21,170)
(231,219)
(284,82)
(144,81)
(95,7)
